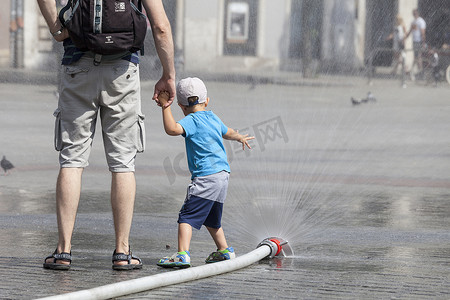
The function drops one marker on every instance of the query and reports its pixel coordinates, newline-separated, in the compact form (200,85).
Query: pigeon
(371,97)
(6,165)
(355,101)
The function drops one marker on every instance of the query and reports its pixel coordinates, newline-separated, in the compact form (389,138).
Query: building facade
(240,35)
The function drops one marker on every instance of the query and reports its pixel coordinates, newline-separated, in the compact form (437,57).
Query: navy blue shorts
(204,201)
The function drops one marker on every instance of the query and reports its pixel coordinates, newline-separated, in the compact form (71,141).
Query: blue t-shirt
(204,143)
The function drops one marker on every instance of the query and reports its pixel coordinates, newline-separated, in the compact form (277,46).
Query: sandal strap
(121,257)
(136,258)
(64,256)
(124,257)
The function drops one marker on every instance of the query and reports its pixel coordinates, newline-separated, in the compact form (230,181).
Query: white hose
(168,278)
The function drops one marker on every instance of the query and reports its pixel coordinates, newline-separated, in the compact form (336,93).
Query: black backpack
(105,27)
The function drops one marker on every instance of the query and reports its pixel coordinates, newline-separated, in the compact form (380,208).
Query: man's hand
(164,86)
(62,36)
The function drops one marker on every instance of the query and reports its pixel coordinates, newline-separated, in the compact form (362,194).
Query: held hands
(167,87)
(163,99)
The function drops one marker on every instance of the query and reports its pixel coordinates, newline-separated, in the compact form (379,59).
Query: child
(203,132)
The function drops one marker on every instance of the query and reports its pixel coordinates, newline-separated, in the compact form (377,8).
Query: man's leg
(123,192)
(420,61)
(68,187)
(219,237)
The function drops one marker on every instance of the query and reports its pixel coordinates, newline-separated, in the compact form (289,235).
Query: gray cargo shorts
(110,90)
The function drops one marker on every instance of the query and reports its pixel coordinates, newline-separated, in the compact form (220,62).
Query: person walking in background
(417,29)
(398,43)
(111,88)
(207,160)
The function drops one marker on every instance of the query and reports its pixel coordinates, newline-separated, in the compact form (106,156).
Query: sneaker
(221,255)
(177,260)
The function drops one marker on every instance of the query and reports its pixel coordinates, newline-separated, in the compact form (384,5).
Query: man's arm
(408,33)
(411,28)
(236,136)
(50,14)
(162,34)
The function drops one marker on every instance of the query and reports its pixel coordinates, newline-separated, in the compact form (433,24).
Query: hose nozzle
(278,247)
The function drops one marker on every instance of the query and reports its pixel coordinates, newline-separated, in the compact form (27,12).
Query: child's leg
(219,237)
(179,260)
(184,236)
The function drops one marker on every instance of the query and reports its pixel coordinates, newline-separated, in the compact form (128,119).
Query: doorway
(240,30)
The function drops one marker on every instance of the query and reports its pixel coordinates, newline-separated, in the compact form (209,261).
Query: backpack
(105,27)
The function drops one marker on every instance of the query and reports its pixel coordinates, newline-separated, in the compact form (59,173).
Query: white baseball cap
(191,87)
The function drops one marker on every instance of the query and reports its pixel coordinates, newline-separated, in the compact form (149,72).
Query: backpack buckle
(97,59)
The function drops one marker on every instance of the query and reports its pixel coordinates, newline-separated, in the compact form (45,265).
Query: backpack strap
(139,6)
(63,11)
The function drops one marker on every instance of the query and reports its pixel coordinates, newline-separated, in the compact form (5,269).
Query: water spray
(268,248)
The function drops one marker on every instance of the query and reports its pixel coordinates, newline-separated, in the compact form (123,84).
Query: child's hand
(234,135)
(163,99)
(244,140)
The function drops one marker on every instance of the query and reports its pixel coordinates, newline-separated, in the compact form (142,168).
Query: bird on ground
(6,165)
(371,97)
(355,101)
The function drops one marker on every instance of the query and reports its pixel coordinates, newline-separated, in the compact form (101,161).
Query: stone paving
(380,173)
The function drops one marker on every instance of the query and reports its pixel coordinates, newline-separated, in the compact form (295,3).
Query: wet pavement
(362,192)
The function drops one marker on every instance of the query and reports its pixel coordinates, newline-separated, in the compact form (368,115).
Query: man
(112,89)
(417,29)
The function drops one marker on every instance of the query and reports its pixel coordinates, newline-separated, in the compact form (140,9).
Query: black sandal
(64,256)
(125,257)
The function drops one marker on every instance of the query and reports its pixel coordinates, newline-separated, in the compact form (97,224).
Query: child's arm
(233,135)
(170,126)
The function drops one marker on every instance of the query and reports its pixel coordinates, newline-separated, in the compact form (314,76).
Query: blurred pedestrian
(16,28)
(16,18)
(108,85)
(417,29)
(398,43)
